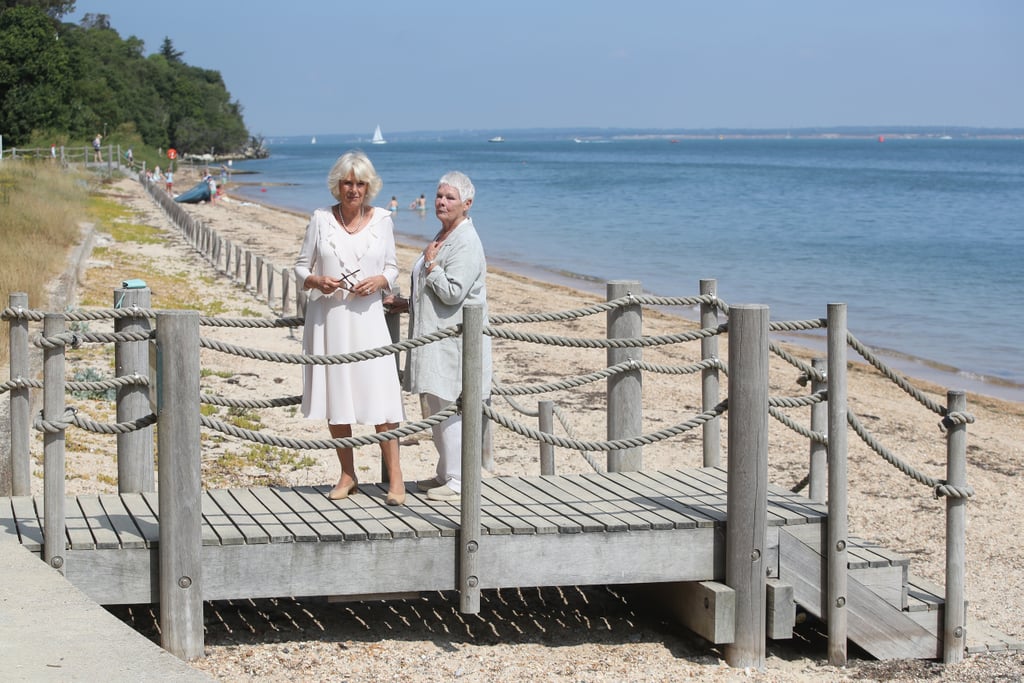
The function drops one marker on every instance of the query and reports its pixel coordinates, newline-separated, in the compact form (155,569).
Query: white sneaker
(427,484)
(443,492)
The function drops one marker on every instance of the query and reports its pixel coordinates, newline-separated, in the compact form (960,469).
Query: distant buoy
(263,189)
(881,138)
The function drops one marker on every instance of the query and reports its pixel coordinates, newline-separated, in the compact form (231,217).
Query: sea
(921,237)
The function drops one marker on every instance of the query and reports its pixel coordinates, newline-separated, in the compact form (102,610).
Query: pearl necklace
(341,218)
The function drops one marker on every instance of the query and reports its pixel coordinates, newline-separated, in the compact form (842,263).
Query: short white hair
(461,182)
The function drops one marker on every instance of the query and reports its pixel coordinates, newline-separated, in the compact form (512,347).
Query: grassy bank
(40,210)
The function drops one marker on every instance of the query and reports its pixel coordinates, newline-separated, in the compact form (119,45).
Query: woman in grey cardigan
(450,274)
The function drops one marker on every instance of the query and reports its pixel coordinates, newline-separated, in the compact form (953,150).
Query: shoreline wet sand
(592,634)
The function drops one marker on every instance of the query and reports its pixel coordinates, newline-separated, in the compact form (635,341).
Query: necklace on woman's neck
(341,218)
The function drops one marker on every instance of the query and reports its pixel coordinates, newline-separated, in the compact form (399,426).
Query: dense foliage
(69,82)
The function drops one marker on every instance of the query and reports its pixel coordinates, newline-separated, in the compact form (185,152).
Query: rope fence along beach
(623,447)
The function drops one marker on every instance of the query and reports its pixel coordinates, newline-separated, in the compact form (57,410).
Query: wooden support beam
(780,616)
(707,608)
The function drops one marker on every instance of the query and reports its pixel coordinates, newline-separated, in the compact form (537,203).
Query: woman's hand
(371,285)
(323,283)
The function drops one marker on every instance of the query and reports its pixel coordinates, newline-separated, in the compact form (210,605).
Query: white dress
(366,392)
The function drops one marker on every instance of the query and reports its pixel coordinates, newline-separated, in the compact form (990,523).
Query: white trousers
(448,442)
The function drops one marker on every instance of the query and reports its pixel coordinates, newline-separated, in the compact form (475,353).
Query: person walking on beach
(97,149)
(169,181)
(450,274)
(347,261)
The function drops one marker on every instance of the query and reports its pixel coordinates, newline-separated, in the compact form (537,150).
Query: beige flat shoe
(341,493)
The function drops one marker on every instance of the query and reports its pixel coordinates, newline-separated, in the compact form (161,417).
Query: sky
(310,67)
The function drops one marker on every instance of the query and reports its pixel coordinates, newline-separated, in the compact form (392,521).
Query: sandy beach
(570,634)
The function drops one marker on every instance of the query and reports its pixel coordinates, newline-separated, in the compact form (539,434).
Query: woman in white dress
(347,262)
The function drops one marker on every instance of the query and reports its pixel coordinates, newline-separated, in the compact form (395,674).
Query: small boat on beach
(497,138)
(378,138)
(200,192)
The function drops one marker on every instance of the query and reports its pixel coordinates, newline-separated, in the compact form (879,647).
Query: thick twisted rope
(71,417)
(562,420)
(72,387)
(809,371)
(900,381)
(604,307)
(940,486)
(587,343)
(407,429)
(617,444)
(250,403)
(336,359)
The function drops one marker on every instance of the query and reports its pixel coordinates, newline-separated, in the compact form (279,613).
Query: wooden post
(625,390)
(259,276)
(270,285)
(472,430)
(285,272)
(248,269)
(954,635)
(747,482)
(53,446)
(546,423)
(181,601)
(134,449)
(818,468)
(16,471)
(711,432)
(834,604)
(238,262)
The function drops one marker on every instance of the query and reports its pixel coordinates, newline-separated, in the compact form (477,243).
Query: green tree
(34,74)
(55,9)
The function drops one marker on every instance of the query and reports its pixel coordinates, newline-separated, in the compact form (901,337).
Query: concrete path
(50,631)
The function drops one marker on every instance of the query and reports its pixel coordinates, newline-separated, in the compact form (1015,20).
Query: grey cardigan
(458,278)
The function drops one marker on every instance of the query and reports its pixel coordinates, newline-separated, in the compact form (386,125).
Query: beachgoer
(212,184)
(393,204)
(97,150)
(169,180)
(419,204)
(53,152)
(450,274)
(347,261)
(223,175)
(130,158)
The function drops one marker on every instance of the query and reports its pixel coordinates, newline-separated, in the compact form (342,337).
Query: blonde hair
(358,164)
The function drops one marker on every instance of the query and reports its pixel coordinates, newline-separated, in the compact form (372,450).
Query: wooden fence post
(747,482)
(134,449)
(17,474)
(818,468)
(53,445)
(625,390)
(954,636)
(180,489)
(546,423)
(472,433)
(711,432)
(834,604)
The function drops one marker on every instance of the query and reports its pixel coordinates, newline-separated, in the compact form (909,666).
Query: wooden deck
(635,527)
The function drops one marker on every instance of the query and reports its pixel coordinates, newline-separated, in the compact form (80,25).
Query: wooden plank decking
(262,542)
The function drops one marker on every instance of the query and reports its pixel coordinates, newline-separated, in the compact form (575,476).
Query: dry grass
(39,223)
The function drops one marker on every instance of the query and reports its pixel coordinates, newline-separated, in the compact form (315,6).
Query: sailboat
(378,139)
(313,141)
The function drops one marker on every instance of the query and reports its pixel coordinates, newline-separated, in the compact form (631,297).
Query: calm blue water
(922,239)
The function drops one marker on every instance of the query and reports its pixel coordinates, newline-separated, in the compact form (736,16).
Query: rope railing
(612,445)
(598,343)
(407,429)
(898,380)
